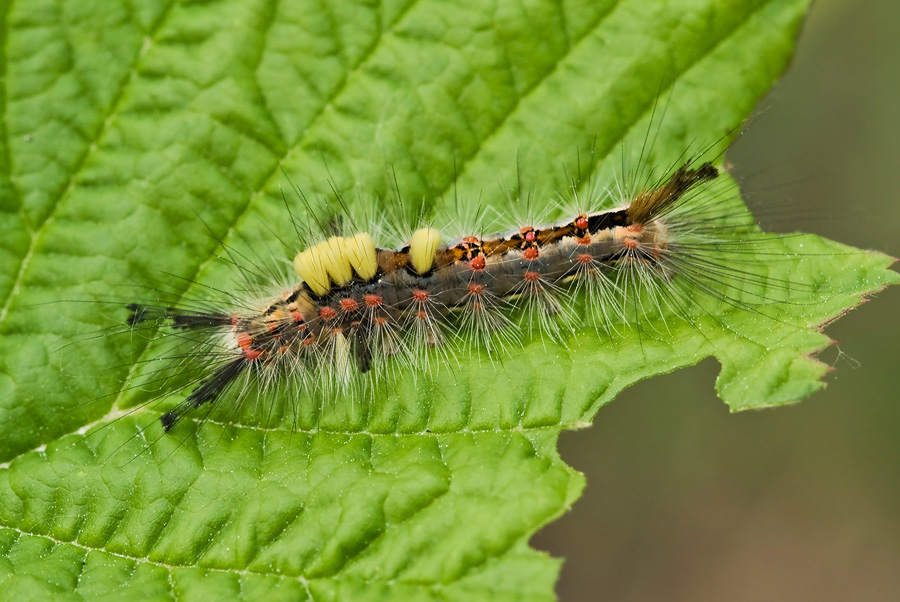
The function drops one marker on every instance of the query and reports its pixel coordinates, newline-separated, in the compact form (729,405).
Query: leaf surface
(124,125)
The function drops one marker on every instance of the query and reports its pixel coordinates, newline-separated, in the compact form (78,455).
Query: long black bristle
(138,314)
(210,390)
(197,320)
(180,319)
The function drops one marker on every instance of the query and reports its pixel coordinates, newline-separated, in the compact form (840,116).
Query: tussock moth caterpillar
(360,305)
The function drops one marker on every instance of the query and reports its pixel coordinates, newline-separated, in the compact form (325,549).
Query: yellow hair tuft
(422,247)
(360,251)
(334,258)
(308,265)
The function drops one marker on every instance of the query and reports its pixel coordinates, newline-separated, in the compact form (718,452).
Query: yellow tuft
(308,265)
(335,260)
(360,251)
(422,247)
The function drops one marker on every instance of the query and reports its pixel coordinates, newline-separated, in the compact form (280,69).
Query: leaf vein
(81,162)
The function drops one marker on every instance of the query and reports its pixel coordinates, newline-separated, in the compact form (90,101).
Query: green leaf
(123,121)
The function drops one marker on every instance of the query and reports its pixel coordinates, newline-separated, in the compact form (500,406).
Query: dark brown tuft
(650,203)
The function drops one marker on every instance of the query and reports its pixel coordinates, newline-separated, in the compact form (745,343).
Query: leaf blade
(433,492)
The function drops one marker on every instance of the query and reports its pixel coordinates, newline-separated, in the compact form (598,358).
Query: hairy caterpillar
(357,310)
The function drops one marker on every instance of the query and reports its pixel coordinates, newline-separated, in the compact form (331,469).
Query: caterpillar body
(357,309)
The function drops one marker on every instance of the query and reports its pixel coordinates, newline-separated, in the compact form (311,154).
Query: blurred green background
(686,502)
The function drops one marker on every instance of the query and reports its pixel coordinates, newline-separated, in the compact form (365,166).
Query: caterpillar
(357,310)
